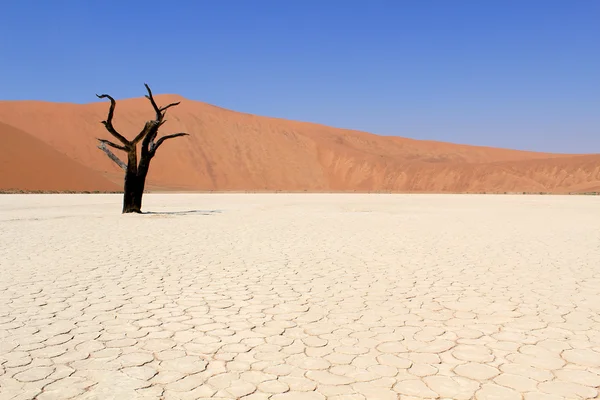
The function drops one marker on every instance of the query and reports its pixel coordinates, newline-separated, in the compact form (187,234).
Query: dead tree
(135,174)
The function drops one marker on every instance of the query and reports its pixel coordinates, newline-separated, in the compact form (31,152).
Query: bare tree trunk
(135,175)
(131,204)
(131,183)
(141,181)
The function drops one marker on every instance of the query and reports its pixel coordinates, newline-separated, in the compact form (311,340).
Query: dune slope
(229,150)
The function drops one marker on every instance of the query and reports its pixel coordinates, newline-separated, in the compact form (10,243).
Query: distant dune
(229,150)
(26,163)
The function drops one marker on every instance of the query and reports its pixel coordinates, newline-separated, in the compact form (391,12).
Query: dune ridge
(233,151)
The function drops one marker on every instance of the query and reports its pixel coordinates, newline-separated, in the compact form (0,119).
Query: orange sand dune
(26,163)
(228,150)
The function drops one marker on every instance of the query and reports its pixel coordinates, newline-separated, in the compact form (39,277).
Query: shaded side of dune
(28,164)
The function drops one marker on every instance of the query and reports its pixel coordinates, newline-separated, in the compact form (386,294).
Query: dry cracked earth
(300,297)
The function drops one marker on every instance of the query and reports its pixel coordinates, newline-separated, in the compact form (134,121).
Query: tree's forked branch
(160,111)
(159,114)
(112,156)
(108,122)
(151,129)
(154,146)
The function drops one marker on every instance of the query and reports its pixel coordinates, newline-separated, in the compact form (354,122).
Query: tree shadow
(188,212)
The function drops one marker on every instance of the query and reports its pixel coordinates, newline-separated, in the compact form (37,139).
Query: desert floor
(277,296)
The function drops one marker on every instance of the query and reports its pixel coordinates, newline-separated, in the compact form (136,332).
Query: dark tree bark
(135,174)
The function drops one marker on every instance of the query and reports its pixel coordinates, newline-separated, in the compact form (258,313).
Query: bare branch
(169,106)
(111,144)
(154,146)
(148,142)
(159,114)
(108,122)
(160,111)
(112,156)
(147,128)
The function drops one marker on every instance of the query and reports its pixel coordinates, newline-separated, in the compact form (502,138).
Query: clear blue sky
(510,73)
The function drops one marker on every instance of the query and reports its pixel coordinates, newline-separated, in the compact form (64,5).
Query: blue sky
(520,74)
